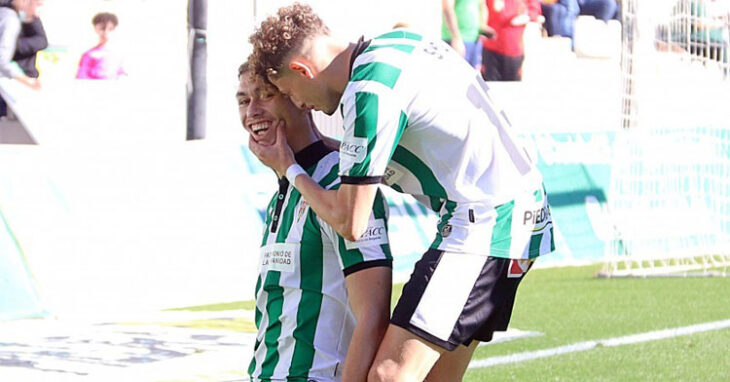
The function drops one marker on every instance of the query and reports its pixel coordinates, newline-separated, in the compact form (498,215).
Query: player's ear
(301,67)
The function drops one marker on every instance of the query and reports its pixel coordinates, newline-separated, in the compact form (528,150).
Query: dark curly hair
(245,70)
(281,34)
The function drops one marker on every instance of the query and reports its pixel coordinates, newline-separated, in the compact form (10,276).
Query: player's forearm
(336,207)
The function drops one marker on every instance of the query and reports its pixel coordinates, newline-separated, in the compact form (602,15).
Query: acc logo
(375,234)
(354,148)
(446,230)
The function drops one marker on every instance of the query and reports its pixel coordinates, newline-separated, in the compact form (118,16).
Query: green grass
(235,305)
(569,305)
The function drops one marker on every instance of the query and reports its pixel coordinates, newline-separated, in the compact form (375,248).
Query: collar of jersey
(310,155)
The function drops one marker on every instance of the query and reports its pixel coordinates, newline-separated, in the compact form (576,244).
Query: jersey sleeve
(372,249)
(374,121)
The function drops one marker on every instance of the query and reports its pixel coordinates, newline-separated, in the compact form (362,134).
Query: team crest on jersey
(302,208)
(446,230)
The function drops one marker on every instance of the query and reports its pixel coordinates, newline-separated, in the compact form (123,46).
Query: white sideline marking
(587,345)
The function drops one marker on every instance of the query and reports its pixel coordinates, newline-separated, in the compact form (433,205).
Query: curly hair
(245,69)
(281,34)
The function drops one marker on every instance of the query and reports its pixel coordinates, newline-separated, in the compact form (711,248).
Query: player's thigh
(452,365)
(403,356)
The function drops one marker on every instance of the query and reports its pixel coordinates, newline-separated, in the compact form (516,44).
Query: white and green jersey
(420,119)
(303,316)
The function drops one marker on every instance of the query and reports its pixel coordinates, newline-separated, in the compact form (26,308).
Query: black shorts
(452,298)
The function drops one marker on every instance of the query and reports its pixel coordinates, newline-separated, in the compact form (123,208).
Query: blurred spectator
(462,22)
(601,9)
(32,39)
(10,28)
(503,55)
(102,62)
(560,17)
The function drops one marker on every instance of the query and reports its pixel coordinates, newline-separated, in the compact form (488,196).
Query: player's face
(104,31)
(306,93)
(260,107)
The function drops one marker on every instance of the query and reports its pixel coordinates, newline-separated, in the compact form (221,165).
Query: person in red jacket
(503,55)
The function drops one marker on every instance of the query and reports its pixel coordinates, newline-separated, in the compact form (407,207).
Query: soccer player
(420,119)
(317,294)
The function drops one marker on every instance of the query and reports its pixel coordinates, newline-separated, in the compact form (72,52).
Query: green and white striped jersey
(303,316)
(420,119)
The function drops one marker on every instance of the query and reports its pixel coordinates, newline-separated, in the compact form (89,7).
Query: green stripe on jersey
(402,47)
(429,184)
(535,241)
(501,233)
(330,177)
(267,223)
(366,126)
(402,123)
(378,72)
(312,265)
(450,207)
(401,34)
(287,218)
(274,306)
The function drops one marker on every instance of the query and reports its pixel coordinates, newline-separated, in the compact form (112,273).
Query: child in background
(102,62)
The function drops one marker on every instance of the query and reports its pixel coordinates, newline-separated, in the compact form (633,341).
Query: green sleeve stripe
(366,126)
(274,306)
(450,206)
(401,34)
(287,218)
(311,270)
(396,187)
(501,233)
(402,47)
(378,72)
(429,184)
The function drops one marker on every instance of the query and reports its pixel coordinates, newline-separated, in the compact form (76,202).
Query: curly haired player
(421,120)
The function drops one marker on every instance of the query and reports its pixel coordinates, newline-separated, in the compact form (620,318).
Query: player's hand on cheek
(278,156)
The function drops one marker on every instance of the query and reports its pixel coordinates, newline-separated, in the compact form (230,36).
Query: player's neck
(303,137)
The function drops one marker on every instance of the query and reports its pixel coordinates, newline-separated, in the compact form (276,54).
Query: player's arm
(369,293)
(346,209)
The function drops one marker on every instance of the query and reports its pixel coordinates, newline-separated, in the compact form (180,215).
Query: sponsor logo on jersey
(354,148)
(280,257)
(375,234)
(538,216)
